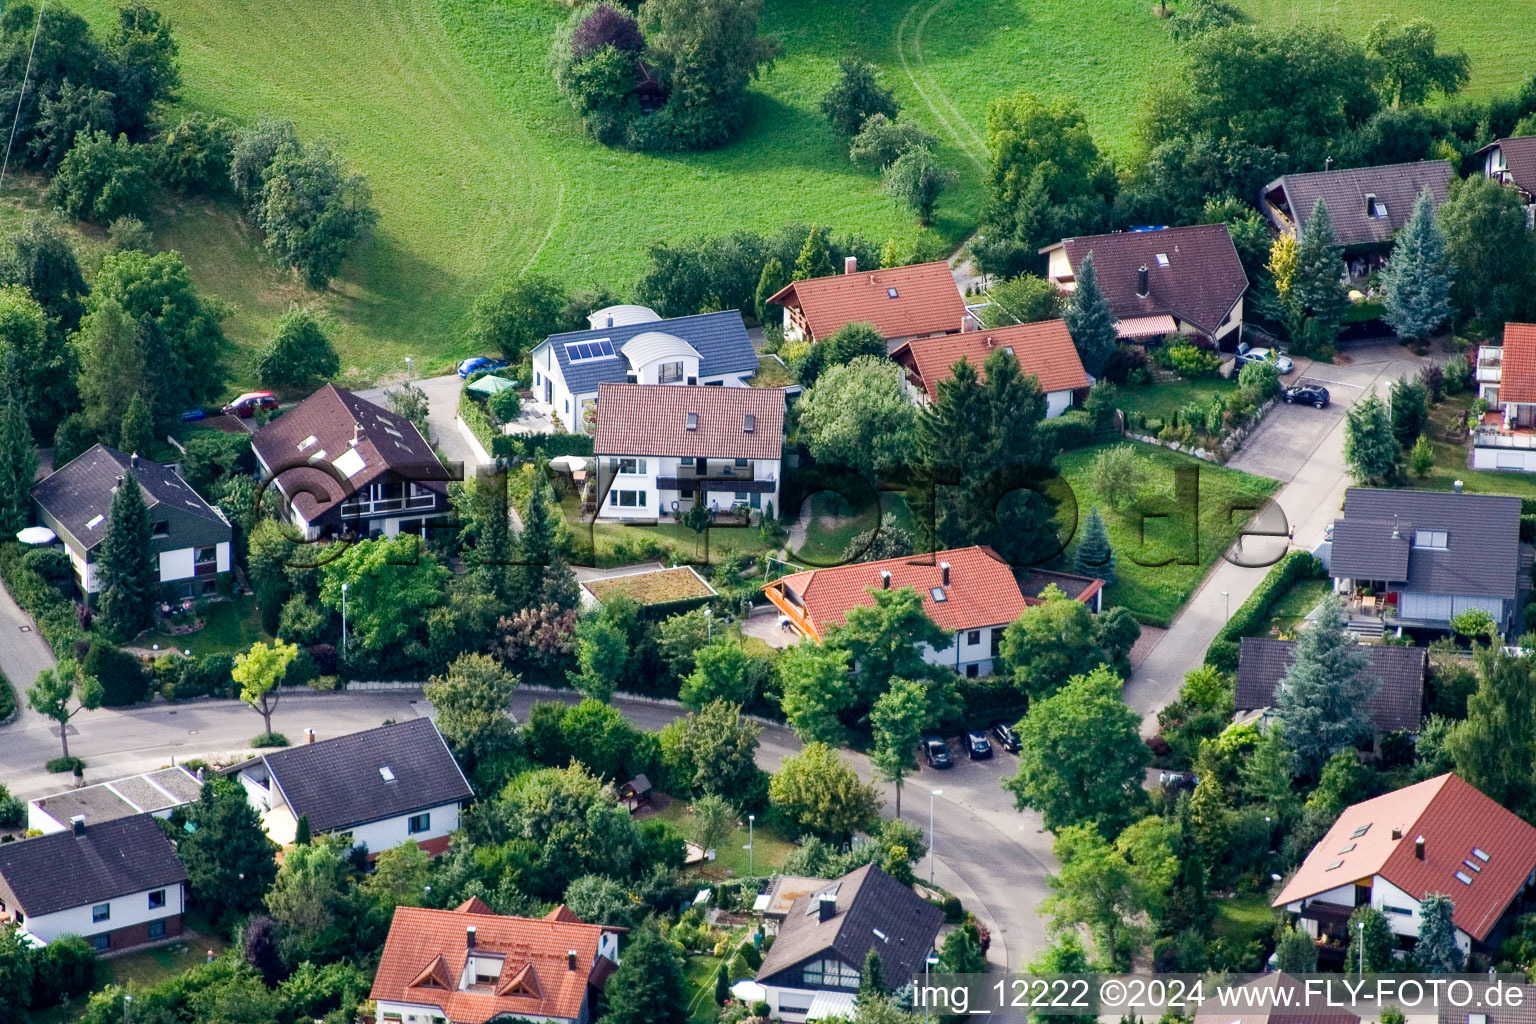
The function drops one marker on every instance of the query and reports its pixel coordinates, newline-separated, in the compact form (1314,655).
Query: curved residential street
(993,857)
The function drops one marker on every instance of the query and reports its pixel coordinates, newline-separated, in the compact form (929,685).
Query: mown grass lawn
(1288,611)
(1242,918)
(1448,419)
(233,626)
(770,849)
(1190,543)
(143,970)
(1161,401)
(608,544)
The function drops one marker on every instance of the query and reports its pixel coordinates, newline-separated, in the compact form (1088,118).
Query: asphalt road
(993,857)
(1303,448)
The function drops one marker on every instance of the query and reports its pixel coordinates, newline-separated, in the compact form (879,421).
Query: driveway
(442,410)
(994,858)
(1303,448)
(23,654)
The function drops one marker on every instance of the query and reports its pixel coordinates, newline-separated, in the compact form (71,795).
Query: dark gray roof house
(1434,554)
(1368,205)
(1512,162)
(86,865)
(365,777)
(75,499)
(720,339)
(1490,1003)
(1397,705)
(863,910)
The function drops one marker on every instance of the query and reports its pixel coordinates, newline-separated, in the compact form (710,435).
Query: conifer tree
(1089,320)
(650,988)
(1417,279)
(124,572)
(1437,952)
(18,465)
(1370,447)
(138,431)
(1322,698)
(1315,303)
(1094,555)
(815,258)
(769,282)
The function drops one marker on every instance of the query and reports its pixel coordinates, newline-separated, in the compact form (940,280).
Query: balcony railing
(1490,364)
(383,506)
(1492,437)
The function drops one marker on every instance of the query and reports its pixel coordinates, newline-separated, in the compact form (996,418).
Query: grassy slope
(480,172)
(1154,593)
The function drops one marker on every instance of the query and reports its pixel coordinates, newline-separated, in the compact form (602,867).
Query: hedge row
(54,614)
(479,421)
(7,699)
(1297,565)
(523,446)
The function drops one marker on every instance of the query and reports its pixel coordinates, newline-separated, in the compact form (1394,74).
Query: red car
(246,405)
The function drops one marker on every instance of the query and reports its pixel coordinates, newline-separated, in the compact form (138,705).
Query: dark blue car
(474,364)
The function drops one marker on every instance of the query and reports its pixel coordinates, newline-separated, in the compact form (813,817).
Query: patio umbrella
(491,384)
(36,535)
(568,464)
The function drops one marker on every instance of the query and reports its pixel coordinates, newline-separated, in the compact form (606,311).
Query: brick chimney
(850,264)
(944,573)
(570,960)
(1141,281)
(469,937)
(309,735)
(826,906)
(78,824)
(967,324)
(1418,847)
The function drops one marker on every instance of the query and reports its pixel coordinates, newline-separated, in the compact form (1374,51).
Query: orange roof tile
(1457,822)
(1044,351)
(427,951)
(982,590)
(1517,379)
(926,301)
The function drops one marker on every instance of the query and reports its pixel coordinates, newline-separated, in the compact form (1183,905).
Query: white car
(1246,354)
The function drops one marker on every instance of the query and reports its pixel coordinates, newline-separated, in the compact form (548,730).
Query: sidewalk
(23,654)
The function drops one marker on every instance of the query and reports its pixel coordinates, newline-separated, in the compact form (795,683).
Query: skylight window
(937,593)
(1437,539)
(1463,878)
(692,422)
(1480,854)
(578,351)
(880,935)
(1335,864)
(890,293)
(1162,259)
(1362,830)
(1346,849)
(387,773)
(1473,865)
(748,423)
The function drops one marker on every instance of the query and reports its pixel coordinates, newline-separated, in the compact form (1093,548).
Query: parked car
(977,745)
(1003,733)
(474,364)
(937,752)
(1247,354)
(1307,394)
(246,405)
(193,415)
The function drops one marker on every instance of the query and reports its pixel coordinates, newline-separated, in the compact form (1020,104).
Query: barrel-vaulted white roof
(653,345)
(620,316)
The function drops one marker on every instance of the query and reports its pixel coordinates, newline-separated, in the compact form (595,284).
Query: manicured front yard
(1448,419)
(233,626)
(142,970)
(608,544)
(1161,401)
(770,849)
(1242,918)
(1288,611)
(1153,529)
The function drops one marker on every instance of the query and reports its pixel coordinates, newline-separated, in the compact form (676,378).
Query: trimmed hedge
(1297,565)
(1072,429)
(7,699)
(523,446)
(54,613)
(479,422)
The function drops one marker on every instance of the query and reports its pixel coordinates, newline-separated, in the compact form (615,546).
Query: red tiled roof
(427,947)
(1454,818)
(926,302)
(652,419)
(982,590)
(1044,351)
(1517,378)
(1200,283)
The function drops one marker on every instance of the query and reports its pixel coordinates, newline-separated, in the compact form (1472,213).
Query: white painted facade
(1401,911)
(969,652)
(636,492)
(122,912)
(660,367)
(174,565)
(1493,456)
(384,834)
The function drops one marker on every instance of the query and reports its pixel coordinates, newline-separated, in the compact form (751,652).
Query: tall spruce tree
(124,570)
(650,987)
(1094,555)
(1417,279)
(1370,447)
(18,464)
(1437,952)
(138,431)
(1322,698)
(1089,320)
(815,259)
(1315,302)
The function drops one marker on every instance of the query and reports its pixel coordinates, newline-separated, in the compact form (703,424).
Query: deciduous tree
(916,178)
(820,793)
(391,583)
(855,414)
(471,702)
(259,671)
(1118,475)
(298,354)
(1081,758)
(813,679)
(514,317)
(601,653)
(313,210)
(1491,252)
(856,96)
(897,721)
(1047,178)
(1025,299)
(61,693)
(1494,749)
(713,821)
(1406,65)
(712,750)
(1368,927)
(881,640)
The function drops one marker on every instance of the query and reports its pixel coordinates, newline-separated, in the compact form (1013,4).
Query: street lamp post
(931,794)
(928,965)
(343,623)
(1360,930)
(407,369)
(709,625)
(751,851)
(127,1007)
(1228,598)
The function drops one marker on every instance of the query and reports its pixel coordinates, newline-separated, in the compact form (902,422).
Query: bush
(58,765)
(123,680)
(194,155)
(1191,361)
(7,699)
(1457,375)
(1297,565)
(952,908)
(269,739)
(101,179)
(505,405)
(13,813)
(54,614)
(63,969)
